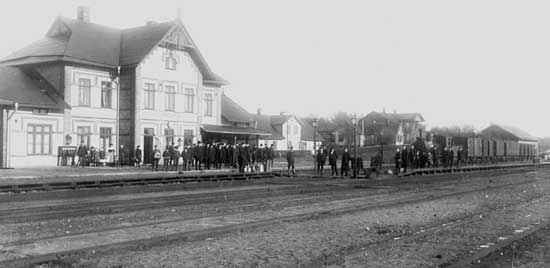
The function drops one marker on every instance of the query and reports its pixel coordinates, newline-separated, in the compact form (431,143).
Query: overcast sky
(456,62)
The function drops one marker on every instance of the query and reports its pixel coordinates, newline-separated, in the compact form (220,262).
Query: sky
(455,62)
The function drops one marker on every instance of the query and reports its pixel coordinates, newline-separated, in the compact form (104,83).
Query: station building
(85,82)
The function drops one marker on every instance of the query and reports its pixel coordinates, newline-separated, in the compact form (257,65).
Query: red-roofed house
(147,86)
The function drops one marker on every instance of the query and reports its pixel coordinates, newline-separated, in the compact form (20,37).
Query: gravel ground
(315,242)
(530,252)
(245,209)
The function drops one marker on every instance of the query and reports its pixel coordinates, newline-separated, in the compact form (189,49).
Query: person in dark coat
(171,149)
(240,157)
(333,162)
(223,156)
(445,156)
(235,156)
(185,157)
(411,157)
(176,158)
(166,158)
(397,159)
(265,156)
(199,156)
(270,157)
(405,159)
(82,153)
(211,156)
(138,156)
(344,168)
(459,154)
(321,159)
(290,158)
(435,158)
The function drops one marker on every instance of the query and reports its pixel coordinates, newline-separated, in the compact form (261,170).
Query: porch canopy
(231,134)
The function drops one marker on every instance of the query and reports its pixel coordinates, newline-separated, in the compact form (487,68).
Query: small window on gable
(170,60)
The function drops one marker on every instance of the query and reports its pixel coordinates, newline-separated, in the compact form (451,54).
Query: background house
(392,128)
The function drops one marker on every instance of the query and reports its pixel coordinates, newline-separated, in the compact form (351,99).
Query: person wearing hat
(157,155)
(138,155)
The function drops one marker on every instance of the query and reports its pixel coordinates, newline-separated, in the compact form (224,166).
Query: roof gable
(90,43)
(137,42)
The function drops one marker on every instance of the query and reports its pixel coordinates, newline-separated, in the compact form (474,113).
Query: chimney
(259,111)
(150,22)
(83,13)
(394,111)
(282,113)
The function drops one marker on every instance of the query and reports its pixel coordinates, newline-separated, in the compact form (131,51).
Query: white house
(147,86)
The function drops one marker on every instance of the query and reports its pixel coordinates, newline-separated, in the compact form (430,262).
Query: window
(84,88)
(149,96)
(189,100)
(169,133)
(83,134)
(106,94)
(187,137)
(105,137)
(209,100)
(170,60)
(170,104)
(39,139)
(295,130)
(39,111)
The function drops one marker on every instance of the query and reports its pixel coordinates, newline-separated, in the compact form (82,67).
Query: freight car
(493,145)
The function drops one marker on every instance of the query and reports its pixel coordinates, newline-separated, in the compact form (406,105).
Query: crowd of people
(323,154)
(433,158)
(217,155)
(97,156)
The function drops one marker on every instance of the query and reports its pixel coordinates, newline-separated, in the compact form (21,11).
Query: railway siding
(301,239)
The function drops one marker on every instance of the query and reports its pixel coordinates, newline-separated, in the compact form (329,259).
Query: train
(484,149)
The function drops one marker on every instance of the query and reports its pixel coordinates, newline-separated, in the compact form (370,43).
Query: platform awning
(220,129)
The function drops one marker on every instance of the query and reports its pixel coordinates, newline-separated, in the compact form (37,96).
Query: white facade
(291,130)
(35,134)
(93,118)
(33,138)
(190,106)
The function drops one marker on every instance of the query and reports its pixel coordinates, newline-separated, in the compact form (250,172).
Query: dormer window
(170,60)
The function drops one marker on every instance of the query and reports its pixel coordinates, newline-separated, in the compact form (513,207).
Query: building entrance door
(148,146)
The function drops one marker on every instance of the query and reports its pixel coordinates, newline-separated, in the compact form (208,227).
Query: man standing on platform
(270,157)
(82,152)
(290,158)
(138,155)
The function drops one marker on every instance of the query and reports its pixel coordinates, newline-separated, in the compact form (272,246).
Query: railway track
(216,231)
(338,258)
(47,212)
(114,182)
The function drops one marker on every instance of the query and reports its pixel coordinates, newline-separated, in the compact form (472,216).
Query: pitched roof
(395,117)
(84,42)
(17,87)
(308,131)
(264,122)
(233,112)
(511,131)
(138,41)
